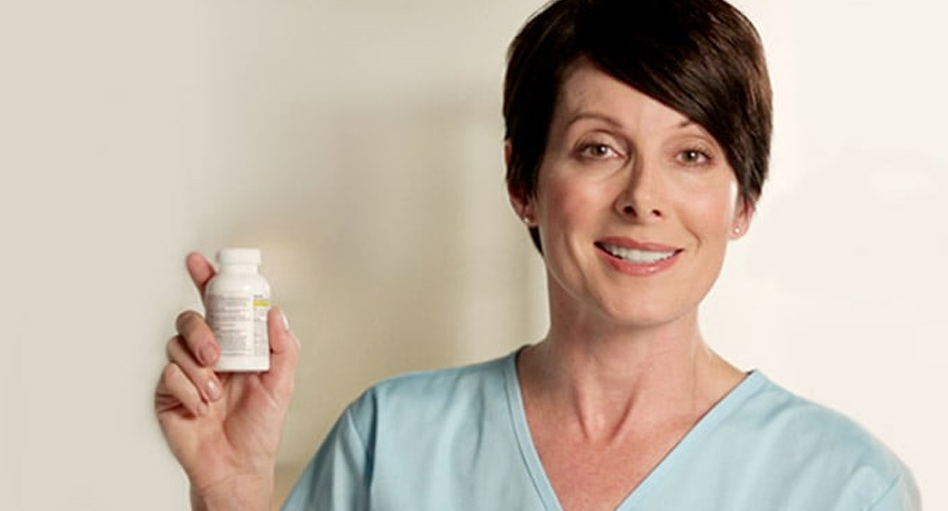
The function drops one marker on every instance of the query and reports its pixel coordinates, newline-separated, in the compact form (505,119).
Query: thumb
(284,354)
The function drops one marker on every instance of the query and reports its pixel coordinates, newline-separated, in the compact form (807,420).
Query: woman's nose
(641,195)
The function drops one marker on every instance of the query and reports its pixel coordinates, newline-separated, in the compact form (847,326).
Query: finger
(202,378)
(174,389)
(285,350)
(201,271)
(198,337)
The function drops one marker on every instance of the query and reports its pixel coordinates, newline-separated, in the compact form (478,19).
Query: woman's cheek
(573,200)
(710,204)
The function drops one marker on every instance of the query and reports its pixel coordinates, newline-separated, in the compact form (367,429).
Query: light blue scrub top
(457,440)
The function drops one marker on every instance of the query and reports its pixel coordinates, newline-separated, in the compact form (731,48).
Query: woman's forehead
(589,94)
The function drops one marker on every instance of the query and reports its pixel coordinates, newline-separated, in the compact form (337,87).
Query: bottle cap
(238,256)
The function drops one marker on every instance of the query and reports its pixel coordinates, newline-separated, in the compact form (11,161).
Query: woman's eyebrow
(596,116)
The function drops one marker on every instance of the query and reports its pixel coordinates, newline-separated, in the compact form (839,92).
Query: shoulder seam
(883,495)
(350,424)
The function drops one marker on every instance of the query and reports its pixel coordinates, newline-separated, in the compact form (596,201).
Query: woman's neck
(610,382)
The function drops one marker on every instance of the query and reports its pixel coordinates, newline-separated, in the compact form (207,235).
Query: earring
(737,230)
(527,220)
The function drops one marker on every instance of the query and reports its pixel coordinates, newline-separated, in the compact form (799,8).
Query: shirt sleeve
(337,478)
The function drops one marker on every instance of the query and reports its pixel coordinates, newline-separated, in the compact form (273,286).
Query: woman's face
(634,204)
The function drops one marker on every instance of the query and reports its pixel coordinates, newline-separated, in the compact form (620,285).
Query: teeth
(637,256)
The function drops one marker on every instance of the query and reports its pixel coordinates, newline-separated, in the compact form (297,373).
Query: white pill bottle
(237,300)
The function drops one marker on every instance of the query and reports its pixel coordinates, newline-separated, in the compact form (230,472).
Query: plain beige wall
(358,142)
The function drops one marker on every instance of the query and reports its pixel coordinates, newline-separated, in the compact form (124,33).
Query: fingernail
(207,354)
(286,322)
(213,390)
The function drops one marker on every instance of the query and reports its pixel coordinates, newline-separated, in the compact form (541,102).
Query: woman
(637,144)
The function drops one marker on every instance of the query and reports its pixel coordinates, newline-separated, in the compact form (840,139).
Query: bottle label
(239,322)
(261,338)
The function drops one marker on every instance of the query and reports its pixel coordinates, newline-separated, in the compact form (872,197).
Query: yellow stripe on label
(261,303)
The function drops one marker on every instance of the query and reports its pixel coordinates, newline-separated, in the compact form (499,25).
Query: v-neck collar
(679,454)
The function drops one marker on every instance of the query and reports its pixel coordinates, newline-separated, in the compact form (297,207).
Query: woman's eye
(693,157)
(597,151)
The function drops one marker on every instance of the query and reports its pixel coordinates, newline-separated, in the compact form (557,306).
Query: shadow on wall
(388,239)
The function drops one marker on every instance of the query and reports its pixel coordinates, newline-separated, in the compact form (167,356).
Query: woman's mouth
(635,255)
(638,255)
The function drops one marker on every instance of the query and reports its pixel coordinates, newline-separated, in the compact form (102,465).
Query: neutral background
(358,143)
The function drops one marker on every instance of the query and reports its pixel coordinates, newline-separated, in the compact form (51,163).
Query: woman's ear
(743,215)
(519,201)
(523,207)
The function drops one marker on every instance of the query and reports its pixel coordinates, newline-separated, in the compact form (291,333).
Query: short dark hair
(703,58)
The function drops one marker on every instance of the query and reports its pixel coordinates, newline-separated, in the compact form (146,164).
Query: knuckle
(177,385)
(169,373)
(193,329)
(172,344)
(187,320)
(179,353)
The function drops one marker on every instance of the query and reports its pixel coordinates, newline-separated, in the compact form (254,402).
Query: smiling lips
(637,258)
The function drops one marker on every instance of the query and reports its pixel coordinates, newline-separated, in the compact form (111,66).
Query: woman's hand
(224,429)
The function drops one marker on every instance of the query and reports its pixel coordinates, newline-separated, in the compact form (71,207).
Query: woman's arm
(224,429)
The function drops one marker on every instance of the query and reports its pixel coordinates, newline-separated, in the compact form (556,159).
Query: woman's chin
(638,318)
